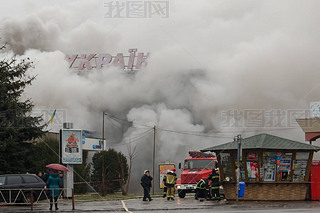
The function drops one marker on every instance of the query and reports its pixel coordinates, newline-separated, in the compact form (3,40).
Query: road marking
(125,207)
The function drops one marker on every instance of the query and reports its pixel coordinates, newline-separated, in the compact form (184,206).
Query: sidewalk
(161,204)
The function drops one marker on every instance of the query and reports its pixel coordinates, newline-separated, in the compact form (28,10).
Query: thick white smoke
(208,57)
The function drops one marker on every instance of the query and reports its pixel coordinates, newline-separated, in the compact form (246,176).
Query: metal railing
(29,196)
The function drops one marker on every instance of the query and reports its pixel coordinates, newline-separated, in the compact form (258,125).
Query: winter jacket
(146,180)
(214,177)
(171,179)
(53,184)
(202,184)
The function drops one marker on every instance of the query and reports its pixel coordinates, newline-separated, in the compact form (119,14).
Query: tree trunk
(121,177)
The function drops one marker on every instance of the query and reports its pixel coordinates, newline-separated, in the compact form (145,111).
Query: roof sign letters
(134,61)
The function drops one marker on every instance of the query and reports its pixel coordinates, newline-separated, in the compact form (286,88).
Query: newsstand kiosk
(272,168)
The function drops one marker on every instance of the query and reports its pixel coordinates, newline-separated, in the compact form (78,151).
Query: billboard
(92,144)
(91,141)
(71,146)
(164,168)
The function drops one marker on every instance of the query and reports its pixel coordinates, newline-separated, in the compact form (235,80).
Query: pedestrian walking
(146,184)
(53,184)
(171,179)
(201,189)
(215,185)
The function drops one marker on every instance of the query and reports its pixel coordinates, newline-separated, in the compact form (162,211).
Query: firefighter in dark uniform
(202,189)
(215,184)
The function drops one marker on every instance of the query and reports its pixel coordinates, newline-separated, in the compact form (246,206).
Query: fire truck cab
(198,166)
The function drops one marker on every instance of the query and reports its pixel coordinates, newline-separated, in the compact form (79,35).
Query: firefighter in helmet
(171,179)
(202,189)
(215,184)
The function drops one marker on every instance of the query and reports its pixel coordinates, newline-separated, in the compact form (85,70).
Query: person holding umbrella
(53,184)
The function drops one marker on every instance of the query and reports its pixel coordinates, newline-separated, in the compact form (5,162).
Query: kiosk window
(269,166)
(242,170)
(302,155)
(300,166)
(285,166)
(252,166)
(226,166)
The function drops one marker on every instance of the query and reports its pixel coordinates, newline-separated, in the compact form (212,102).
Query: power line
(126,121)
(135,139)
(199,133)
(192,133)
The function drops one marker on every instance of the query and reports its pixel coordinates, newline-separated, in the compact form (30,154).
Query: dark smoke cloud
(207,57)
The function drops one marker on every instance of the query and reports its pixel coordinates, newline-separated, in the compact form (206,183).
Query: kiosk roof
(264,141)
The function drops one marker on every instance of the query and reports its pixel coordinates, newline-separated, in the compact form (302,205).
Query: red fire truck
(198,166)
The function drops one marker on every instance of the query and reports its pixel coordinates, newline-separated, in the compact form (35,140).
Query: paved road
(179,205)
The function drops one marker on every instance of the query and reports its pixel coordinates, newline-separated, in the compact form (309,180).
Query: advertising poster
(71,146)
(278,160)
(285,162)
(269,166)
(252,169)
(164,168)
(252,156)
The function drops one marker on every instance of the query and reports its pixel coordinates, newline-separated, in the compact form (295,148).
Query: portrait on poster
(71,146)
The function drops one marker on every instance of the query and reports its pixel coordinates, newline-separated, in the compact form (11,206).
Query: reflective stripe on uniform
(200,186)
(170,179)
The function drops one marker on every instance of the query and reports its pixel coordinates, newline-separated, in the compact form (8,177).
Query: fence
(29,196)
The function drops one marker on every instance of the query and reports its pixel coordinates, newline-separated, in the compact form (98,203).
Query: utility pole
(154,156)
(102,188)
(238,139)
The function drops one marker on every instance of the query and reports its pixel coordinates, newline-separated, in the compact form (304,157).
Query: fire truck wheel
(181,193)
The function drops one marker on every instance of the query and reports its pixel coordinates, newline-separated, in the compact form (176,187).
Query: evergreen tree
(115,170)
(18,128)
(47,152)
